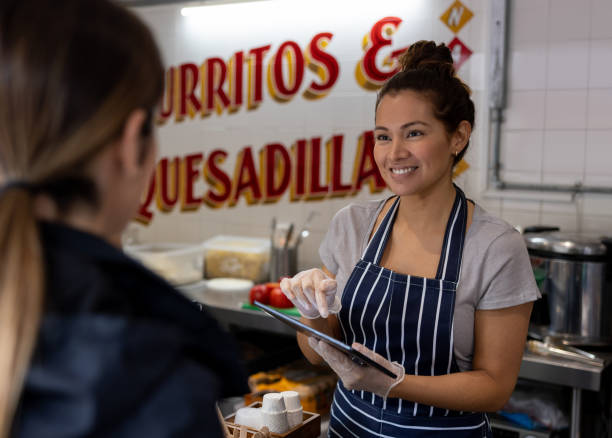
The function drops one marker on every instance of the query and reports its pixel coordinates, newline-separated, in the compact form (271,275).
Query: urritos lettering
(217,86)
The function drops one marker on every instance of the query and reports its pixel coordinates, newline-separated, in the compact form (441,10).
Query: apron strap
(374,251)
(449,266)
(452,248)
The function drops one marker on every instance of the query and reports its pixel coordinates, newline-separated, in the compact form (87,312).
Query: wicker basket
(309,428)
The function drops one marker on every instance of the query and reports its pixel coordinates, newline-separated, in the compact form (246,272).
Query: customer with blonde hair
(92,344)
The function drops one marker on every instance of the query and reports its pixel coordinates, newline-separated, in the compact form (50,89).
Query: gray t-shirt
(495,268)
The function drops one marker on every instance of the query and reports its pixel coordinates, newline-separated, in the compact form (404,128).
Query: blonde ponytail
(71,72)
(21,296)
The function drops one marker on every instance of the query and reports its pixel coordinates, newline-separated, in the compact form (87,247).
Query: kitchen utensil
(288,236)
(545,349)
(283,255)
(576,286)
(305,230)
(555,342)
(273,231)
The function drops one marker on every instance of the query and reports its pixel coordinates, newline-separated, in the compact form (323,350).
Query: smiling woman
(428,281)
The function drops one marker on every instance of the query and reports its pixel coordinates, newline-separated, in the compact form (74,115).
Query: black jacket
(120,353)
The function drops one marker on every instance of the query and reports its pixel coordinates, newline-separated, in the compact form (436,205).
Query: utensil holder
(283,262)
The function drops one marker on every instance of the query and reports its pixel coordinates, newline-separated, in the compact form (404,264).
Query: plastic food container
(237,257)
(178,263)
(227,291)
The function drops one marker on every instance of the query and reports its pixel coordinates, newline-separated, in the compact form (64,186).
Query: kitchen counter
(558,371)
(564,372)
(534,367)
(246,318)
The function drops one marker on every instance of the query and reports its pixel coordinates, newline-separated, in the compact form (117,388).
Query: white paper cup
(295,417)
(292,400)
(275,421)
(250,417)
(273,402)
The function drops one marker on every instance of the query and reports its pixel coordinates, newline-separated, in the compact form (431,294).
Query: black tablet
(355,355)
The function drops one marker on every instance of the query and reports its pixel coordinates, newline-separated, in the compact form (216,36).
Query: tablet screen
(355,355)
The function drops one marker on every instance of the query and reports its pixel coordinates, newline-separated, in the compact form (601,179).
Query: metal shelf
(253,319)
(564,372)
(557,371)
(534,367)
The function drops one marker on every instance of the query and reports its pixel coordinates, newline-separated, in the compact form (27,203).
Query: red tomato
(260,293)
(270,286)
(278,299)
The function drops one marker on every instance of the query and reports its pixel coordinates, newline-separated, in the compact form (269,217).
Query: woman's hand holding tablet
(354,354)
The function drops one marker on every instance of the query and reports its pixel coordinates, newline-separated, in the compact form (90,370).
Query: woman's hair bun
(427,55)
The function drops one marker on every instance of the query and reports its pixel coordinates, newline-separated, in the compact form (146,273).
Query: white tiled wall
(558,125)
(557,129)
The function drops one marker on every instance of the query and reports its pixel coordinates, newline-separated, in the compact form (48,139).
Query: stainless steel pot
(576,273)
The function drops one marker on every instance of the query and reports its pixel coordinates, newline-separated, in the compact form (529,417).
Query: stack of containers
(274,413)
(279,412)
(294,408)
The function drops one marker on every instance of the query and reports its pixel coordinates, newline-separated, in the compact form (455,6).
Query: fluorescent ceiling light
(189,11)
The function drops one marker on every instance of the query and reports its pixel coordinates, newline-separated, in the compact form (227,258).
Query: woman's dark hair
(428,68)
(71,73)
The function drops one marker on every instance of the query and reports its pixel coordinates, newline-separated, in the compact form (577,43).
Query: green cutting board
(291,311)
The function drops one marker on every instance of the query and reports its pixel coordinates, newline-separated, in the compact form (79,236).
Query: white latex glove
(358,377)
(313,293)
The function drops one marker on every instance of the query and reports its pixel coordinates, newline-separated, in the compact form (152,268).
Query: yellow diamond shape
(460,167)
(456,16)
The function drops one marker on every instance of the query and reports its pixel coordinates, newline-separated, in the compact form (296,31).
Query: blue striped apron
(407,319)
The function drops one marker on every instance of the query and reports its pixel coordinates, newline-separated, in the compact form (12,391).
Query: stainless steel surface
(564,243)
(232,313)
(579,307)
(253,319)
(563,372)
(582,352)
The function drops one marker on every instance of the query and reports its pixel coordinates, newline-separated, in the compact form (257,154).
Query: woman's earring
(456,153)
